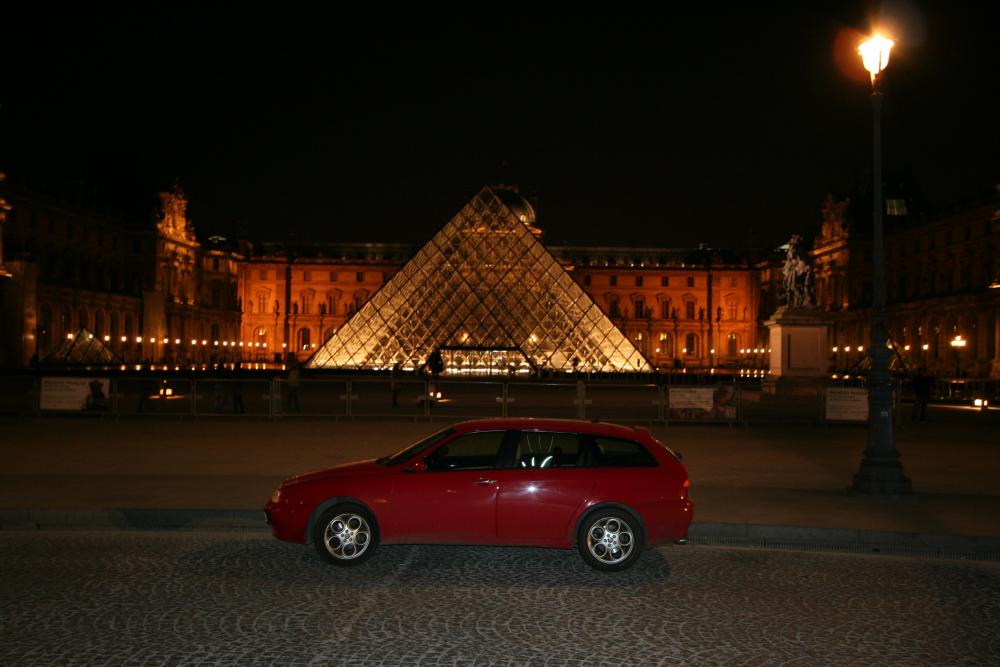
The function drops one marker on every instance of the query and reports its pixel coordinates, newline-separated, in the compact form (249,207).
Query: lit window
(895,207)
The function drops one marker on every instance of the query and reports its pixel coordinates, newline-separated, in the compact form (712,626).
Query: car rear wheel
(345,534)
(610,540)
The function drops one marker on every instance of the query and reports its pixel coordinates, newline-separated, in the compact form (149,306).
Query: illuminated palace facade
(149,294)
(157,294)
(942,287)
(295,298)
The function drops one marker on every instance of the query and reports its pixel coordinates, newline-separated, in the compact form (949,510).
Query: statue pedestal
(799,360)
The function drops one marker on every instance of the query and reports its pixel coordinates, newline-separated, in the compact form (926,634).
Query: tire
(345,535)
(610,540)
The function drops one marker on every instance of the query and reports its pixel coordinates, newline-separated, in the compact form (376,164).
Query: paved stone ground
(242,598)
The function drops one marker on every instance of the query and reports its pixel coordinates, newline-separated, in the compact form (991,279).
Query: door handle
(485,482)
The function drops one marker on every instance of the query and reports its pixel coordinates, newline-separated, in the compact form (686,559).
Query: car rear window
(615,452)
(547,449)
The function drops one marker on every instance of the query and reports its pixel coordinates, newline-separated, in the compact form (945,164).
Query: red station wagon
(609,490)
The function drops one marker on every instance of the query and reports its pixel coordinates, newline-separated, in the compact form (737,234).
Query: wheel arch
(609,505)
(338,500)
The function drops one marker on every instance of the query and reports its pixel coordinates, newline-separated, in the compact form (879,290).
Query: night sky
(667,129)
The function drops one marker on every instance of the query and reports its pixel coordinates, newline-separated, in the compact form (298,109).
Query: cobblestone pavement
(243,598)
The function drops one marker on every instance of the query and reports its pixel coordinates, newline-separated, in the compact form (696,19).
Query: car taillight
(685,489)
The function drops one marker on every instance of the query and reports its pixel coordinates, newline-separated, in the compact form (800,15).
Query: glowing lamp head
(875,54)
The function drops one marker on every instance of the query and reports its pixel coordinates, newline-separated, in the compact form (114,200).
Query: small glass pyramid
(489,298)
(81,349)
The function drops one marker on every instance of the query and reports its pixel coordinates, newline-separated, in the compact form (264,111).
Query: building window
(613,308)
(731,308)
(640,308)
(690,281)
(664,310)
(586,281)
(895,207)
(306,276)
(732,345)
(261,334)
(263,274)
(691,344)
(360,276)
(215,263)
(689,309)
(733,281)
(664,281)
(333,276)
(666,346)
(613,281)
(638,281)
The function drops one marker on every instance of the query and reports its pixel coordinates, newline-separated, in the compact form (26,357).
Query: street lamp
(881,470)
(957,343)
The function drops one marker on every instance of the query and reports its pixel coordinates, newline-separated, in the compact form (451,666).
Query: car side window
(547,449)
(472,451)
(617,453)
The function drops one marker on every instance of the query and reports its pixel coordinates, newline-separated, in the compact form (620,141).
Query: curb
(133,519)
(854,540)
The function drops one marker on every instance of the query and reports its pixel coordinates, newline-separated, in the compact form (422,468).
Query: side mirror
(416,466)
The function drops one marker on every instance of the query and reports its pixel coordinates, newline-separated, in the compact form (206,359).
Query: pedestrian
(393,387)
(922,383)
(238,407)
(292,386)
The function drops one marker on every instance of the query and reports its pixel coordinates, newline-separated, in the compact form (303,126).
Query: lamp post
(957,343)
(881,470)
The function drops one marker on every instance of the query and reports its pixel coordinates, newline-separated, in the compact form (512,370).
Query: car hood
(365,467)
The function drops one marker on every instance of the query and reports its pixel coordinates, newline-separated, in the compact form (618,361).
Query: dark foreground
(95,598)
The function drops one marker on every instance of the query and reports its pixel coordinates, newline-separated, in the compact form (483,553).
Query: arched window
(691,344)
(666,344)
(305,342)
(732,344)
(261,335)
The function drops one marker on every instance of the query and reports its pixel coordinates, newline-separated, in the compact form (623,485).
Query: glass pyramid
(82,349)
(489,298)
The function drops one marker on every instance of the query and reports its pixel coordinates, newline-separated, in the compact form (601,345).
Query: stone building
(941,286)
(151,294)
(296,295)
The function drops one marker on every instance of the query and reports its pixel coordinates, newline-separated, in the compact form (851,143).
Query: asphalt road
(242,598)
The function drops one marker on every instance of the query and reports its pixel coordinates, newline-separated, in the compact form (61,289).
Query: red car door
(543,491)
(453,499)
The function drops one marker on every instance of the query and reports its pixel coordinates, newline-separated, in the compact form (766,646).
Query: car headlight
(276,496)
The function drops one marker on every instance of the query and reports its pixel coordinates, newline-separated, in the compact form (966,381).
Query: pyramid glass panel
(487,292)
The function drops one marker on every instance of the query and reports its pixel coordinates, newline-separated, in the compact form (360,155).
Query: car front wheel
(345,535)
(610,540)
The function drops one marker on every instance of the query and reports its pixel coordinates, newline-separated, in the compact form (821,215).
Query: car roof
(537,424)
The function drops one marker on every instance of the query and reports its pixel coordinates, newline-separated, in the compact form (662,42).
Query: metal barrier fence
(367,397)
(381,397)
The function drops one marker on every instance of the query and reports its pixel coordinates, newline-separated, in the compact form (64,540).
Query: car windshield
(413,450)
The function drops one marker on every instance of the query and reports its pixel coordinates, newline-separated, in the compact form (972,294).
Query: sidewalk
(778,483)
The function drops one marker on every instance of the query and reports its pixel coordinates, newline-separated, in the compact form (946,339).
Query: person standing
(922,383)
